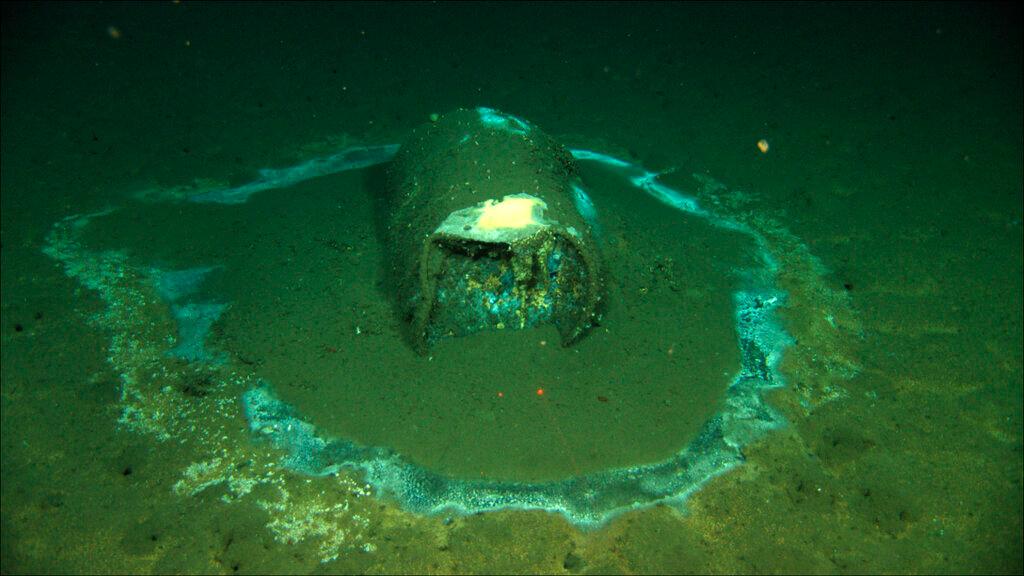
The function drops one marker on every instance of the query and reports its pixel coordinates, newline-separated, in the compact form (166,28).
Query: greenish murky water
(889,196)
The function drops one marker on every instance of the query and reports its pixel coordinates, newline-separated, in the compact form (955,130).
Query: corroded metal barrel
(484,233)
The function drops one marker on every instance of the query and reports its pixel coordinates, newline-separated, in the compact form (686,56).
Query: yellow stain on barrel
(517,211)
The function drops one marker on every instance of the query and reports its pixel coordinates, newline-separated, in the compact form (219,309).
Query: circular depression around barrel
(282,295)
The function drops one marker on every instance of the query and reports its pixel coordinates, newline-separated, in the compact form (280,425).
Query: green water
(891,193)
